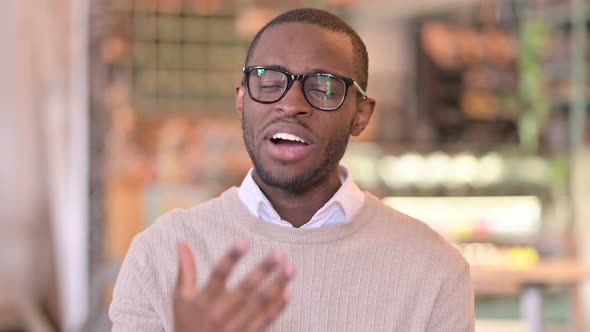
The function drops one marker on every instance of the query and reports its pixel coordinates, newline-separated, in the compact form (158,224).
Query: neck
(298,207)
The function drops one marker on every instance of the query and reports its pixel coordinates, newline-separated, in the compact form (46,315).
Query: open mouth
(288,139)
(285,147)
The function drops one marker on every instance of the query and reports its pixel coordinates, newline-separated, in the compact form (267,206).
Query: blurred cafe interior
(116,111)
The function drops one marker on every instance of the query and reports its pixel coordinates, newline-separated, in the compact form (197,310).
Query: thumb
(186,284)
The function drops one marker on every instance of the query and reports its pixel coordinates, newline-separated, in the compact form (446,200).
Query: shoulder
(190,225)
(413,236)
(176,217)
(184,221)
(199,226)
(151,257)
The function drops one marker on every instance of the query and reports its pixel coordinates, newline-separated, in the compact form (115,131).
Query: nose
(294,101)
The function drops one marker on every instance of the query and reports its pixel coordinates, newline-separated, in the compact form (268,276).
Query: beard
(307,178)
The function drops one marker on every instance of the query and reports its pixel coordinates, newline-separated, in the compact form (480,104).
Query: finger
(250,284)
(217,281)
(264,320)
(262,302)
(186,284)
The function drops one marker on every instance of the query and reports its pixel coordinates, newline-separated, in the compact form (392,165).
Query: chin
(298,182)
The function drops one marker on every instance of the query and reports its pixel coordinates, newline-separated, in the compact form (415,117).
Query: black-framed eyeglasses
(323,91)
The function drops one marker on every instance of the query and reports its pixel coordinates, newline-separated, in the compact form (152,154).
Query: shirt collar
(339,209)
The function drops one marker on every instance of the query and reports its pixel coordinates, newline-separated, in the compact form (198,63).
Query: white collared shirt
(339,209)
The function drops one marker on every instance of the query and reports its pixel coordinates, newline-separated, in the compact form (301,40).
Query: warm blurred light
(488,254)
(453,46)
(341,3)
(116,95)
(113,49)
(460,217)
(409,169)
(502,49)
(437,168)
(124,118)
(170,6)
(469,45)
(438,42)
(464,169)
(385,170)
(146,5)
(361,161)
(206,7)
(440,169)
(534,170)
(253,19)
(490,170)
(479,105)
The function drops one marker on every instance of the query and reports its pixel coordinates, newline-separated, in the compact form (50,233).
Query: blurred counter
(530,283)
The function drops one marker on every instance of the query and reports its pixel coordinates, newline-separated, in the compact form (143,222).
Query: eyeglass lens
(321,90)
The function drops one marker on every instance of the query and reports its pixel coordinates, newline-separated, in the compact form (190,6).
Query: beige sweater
(383,271)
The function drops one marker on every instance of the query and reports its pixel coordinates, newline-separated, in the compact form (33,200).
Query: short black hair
(328,21)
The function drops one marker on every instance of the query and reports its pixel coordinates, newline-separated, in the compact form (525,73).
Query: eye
(323,90)
(320,92)
(271,84)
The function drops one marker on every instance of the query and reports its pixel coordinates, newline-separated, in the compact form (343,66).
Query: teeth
(288,137)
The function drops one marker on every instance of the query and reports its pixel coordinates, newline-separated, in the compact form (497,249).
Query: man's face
(292,145)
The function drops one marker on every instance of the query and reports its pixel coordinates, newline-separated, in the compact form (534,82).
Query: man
(361,266)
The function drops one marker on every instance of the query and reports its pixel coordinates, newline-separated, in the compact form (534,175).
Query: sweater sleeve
(132,308)
(454,306)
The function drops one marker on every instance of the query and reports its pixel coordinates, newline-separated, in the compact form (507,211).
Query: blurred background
(115,111)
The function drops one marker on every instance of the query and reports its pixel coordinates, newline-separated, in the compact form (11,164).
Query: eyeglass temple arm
(358,87)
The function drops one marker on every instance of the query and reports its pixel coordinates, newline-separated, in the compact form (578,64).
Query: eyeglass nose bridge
(296,77)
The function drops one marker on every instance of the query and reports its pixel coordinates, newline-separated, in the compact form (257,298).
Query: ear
(362,116)
(240,92)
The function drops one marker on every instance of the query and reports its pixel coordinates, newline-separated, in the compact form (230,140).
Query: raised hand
(252,305)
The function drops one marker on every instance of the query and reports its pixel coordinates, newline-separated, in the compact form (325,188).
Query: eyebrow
(279,67)
(313,70)
(322,71)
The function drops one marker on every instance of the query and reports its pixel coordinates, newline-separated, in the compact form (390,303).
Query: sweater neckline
(231,202)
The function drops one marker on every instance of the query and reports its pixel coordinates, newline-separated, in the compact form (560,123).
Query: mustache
(286,118)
